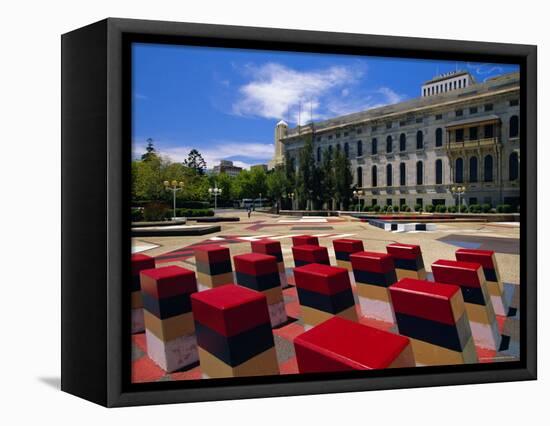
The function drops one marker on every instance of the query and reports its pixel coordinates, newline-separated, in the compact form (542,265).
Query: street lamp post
(459,192)
(357,194)
(215,192)
(173,186)
(291,196)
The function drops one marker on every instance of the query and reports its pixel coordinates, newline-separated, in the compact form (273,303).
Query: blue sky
(226,102)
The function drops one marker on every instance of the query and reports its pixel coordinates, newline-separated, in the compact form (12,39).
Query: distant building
(458,131)
(259,166)
(227,167)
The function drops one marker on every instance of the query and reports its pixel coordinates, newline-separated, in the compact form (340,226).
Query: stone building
(457,133)
(227,167)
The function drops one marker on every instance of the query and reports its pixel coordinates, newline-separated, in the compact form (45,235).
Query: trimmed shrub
(405,208)
(486,208)
(367,208)
(194,204)
(136,214)
(430,208)
(193,212)
(155,211)
(396,209)
(452,209)
(376,208)
(504,208)
(441,208)
(474,208)
(417,207)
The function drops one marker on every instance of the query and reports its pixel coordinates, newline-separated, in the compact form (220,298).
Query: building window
(359,148)
(345,134)
(402,174)
(318,154)
(439,136)
(459,170)
(419,139)
(346,149)
(438,172)
(459,135)
(374,176)
(402,202)
(420,202)
(420,120)
(374,128)
(472,200)
(389,175)
(488,107)
(513,166)
(359,131)
(473,110)
(319,138)
(374,201)
(460,84)
(473,133)
(488,168)
(488,131)
(389,144)
(338,148)
(330,150)
(438,116)
(514,126)
(402,142)
(514,102)
(359,177)
(374,149)
(473,169)
(419,173)
(459,113)
(388,125)
(337,135)
(389,202)
(329,137)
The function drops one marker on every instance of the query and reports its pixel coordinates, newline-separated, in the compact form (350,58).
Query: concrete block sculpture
(343,248)
(300,240)
(272,248)
(324,291)
(260,272)
(213,263)
(433,316)
(342,345)
(140,262)
(408,261)
(306,254)
(234,333)
(169,326)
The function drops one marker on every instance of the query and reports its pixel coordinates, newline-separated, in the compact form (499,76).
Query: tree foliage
(195,161)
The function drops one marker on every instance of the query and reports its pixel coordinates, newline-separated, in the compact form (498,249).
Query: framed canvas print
(253,212)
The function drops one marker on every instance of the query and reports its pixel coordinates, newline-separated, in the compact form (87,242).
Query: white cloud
(252,151)
(484,69)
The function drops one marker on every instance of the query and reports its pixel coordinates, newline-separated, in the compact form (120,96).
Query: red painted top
(322,279)
(255,264)
(168,281)
(372,262)
(342,345)
(212,253)
(266,246)
(424,299)
(464,274)
(230,309)
(483,257)
(404,251)
(310,253)
(347,245)
(140,262)
(301,240)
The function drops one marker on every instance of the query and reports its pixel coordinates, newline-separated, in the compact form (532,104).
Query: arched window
(438,172)
(459,170)
(419,139)
(488,168)
(374,150)
(389,144)
(359,148)
(402,142)
(419,173)
(346,149)
(473,169)
(374,176)
(359,177)
(514,126)
(439,136)
(389,175)
(402,174)
(318,154)
(513,166)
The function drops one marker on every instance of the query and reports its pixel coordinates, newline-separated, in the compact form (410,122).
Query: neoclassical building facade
(457,133)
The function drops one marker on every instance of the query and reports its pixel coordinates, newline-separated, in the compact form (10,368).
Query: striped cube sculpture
(213,263)
(234,333)
(169,326)
(260,272)
(324,291)
(139,263)
(408,261)
(433,316)
(306,254)
(486,258)
(302,240)
(272,248)
(343,248)
(469,276)
(374,273)
(342,345)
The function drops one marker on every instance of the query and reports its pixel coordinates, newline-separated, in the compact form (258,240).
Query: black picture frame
(96,149)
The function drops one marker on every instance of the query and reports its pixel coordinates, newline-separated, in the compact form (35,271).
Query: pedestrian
(249,210)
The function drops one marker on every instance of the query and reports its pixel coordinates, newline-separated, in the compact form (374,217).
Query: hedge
(192,212)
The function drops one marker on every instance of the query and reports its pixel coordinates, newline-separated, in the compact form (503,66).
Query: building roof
(504,82)
(447,76)
(481,119)
(283,122)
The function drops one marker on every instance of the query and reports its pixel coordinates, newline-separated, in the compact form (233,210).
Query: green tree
(277,185)
(343,180)
(306,174)
(150,152)
(327,182)
(195,161)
